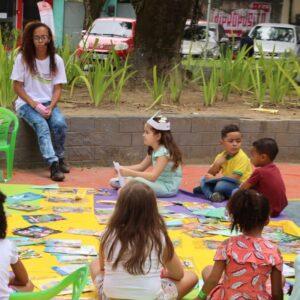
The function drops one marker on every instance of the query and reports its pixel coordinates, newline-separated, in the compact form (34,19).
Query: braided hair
(3,221)
(248,210)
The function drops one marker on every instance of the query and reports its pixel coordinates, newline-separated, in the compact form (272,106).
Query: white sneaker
(115,183)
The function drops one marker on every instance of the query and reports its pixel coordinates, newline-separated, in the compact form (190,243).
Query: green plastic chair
(78,279)
(8,137)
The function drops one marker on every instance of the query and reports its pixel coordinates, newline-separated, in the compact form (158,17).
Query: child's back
(268,181)
(249,262)
(119,282)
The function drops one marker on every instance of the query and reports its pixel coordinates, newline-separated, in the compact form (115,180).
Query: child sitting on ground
(232,162)
(9,259)
(137,257)
(244,263)
(163,154)
(266,178)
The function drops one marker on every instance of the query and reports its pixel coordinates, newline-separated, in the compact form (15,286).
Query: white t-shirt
(40,86)
(118,283)
(8,256)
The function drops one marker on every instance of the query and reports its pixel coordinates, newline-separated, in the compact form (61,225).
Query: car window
(298,34)
(199,32)
(273,33)
(112,28)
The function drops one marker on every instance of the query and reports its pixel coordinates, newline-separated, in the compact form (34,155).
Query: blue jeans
(43,128)
(221,185)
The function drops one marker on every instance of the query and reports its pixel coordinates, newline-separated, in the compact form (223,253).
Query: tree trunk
(159,32)
(92,11)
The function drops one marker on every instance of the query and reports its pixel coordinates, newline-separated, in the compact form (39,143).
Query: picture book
(174,223)
(81,231)
(69,209)
(35,231)
(73,259)
(28,196)
(104,210)
(216,212)
(211,244)
(83,250)
(25,241)
(33,219)
(106,202)
(61,200)
(63,243)
(28,254)
(67,269)
(24,207)
(103,220)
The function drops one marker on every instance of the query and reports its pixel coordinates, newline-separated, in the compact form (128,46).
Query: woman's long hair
(3,221)
(138,226)
(28,49)
(167,140)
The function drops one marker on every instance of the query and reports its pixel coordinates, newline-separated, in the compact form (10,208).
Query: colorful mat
(193,251)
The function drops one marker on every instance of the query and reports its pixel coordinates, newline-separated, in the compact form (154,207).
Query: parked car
(194,40)
(106,34)
(275,39)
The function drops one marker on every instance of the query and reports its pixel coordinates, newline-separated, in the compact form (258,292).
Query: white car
(194,40)
(275,39)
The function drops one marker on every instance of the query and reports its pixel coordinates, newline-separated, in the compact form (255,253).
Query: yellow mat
(189,248)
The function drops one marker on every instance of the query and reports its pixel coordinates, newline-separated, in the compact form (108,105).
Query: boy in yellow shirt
(233,163)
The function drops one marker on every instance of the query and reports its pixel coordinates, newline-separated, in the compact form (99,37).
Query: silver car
(274,39)
(194,40)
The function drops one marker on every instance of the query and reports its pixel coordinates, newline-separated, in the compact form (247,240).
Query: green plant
(175,84)
(119,82)
(7,59)
(257,77)
(156,87)
(98,79)
(210,86)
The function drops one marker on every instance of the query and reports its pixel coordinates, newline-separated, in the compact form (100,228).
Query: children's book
(61,200)
(224,232)
(69,209)
(81,231)
(27,254)
(106,202)
(104,210)
(33,219)
(174,223)
(63,243)
(211,244)
(83,250)
(35,231)
(218,213)
(103,220)
(67,269)
(24,207)
(73,259)
(23,197)
(25,241)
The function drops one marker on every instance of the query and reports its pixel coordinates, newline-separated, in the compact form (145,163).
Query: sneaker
(197,190)
(217,197)
(62,166)
(55,173)
(115,183)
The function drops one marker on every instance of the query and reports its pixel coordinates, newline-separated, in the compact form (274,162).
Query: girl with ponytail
(246,265)
(18,279)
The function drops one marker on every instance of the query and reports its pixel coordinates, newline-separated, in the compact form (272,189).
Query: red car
(106,34)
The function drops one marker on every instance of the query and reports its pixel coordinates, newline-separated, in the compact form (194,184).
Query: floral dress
(249,263)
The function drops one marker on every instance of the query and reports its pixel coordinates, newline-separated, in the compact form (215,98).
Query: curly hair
(28,48)
(3,221)
(248,210)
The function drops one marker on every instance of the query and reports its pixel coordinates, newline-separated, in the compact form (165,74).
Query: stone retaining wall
(100,140)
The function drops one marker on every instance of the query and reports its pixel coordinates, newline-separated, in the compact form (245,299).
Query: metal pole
(207,27)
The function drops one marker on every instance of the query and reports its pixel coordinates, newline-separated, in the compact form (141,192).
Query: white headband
(162,125)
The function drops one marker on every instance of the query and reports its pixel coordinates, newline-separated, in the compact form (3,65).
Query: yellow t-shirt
(238,164)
